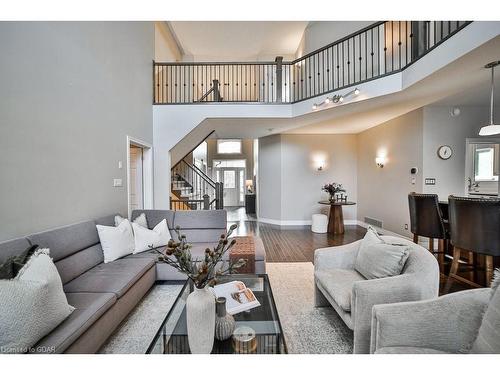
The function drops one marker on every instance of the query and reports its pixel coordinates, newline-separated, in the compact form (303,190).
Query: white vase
(200,312)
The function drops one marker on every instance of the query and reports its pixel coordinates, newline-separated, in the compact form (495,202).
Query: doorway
(139,175)
(136,191)
(232,174)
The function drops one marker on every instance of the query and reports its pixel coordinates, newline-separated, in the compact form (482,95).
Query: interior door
(136,179)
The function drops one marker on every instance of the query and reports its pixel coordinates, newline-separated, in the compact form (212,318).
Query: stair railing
(194,189)
(381,49)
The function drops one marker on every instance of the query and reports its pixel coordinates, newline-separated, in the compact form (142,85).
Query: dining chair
(426,220)
(475,228)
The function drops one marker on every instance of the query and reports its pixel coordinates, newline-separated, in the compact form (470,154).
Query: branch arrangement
(201,272)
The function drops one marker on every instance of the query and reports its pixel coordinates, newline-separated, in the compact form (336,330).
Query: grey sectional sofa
(104,294)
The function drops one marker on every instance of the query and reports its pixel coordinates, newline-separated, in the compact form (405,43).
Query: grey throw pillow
(11,267)
(488,338)
(377,259)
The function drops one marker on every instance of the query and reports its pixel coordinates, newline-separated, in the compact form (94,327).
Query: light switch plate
(117,182)
(430,181)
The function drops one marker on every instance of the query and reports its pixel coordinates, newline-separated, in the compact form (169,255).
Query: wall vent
(374,222)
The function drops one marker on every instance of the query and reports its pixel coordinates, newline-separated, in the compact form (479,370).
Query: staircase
(192,189)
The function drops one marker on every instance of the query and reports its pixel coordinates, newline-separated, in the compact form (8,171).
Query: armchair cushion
(378,258)
(488,338)
(338,283)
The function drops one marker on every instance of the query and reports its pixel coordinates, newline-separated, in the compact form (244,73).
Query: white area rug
(308,330)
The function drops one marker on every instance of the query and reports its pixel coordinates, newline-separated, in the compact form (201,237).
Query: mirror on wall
(482,166)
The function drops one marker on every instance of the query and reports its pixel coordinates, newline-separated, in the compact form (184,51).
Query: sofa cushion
(488,338)
(73,266)
(408,350)
(13,248)
(88,308)
(338,283)
(115,277)
(200,226)
(67,240)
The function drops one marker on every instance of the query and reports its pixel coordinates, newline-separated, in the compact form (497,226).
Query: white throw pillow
(32,304)
(117,241)
(145,238)
(141,220)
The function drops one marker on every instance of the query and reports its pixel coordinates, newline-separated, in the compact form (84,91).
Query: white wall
(383,192)
(440,128)
(71,93)
(289,182)
(270,169)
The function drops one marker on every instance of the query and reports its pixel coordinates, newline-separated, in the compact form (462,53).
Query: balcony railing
(380,49)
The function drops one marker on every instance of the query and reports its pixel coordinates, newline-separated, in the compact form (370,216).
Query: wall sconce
(380,161)
(321,165)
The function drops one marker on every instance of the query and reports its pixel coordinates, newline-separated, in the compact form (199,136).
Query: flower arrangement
(333,189)
(204,272)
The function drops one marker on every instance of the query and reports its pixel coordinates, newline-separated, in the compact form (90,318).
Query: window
(229,179)
(484,164)
(228,146)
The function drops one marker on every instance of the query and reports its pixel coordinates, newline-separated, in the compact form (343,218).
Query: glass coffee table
(172,338)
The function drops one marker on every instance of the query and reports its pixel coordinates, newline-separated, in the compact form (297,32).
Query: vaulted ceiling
(238,41)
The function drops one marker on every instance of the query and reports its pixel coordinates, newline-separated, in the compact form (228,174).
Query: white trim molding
(148,192)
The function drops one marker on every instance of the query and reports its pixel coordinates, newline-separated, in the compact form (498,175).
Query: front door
(233,180)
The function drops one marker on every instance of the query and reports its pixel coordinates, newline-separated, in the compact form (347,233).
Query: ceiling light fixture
(492,128)
(335,99)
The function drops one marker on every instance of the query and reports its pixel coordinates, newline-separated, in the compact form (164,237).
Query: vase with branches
(204,273)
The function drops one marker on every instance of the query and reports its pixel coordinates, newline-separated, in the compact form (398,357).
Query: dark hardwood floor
(297,244)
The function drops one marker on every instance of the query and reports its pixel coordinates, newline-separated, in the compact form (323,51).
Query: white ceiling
(238,41)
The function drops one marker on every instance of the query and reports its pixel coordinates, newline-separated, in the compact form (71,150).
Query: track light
(335,99)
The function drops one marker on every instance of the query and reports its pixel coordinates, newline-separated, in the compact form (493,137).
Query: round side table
(336,218)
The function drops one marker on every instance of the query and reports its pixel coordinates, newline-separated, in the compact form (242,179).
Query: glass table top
(171,338)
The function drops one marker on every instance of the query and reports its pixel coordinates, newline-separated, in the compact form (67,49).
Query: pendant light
(491,129)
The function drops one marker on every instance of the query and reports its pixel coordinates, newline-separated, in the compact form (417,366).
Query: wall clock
(445,152)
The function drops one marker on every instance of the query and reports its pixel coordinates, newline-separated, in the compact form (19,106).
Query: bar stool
(475,228)
(426,220)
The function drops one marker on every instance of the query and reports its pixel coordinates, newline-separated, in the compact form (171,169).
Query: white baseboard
(284,223)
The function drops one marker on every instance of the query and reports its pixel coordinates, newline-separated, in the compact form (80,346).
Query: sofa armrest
(367,293)
(336,257)
(449,323)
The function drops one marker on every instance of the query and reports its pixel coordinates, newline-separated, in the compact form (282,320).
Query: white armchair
(352,296)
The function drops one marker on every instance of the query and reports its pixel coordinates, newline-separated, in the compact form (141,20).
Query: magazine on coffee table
(238,297)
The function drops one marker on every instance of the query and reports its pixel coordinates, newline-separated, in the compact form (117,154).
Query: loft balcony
(378,50)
